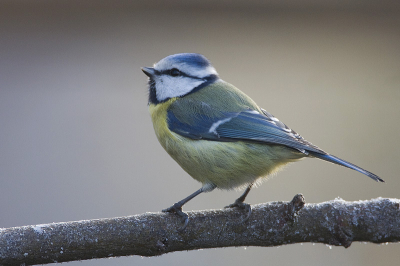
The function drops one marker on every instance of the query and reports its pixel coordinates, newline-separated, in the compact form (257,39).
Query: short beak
(149,71)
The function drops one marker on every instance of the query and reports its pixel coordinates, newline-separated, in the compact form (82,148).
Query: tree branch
(335,222)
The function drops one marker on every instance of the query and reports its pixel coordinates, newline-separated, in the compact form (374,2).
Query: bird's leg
(177,207)
(239,203)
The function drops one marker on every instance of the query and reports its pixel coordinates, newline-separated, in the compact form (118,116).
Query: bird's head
(178,75)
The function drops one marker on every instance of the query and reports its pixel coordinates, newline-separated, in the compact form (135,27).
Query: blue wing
(248,125)
(252,126)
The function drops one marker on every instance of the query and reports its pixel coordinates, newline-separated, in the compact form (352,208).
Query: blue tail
(336,160)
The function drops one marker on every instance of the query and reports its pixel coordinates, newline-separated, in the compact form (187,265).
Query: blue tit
(218,134)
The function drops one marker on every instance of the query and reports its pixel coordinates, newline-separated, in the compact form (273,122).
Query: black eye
(175,72)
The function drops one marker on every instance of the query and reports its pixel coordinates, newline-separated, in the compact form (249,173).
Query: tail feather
(336,160)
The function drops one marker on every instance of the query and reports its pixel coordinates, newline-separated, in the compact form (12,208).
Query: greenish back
(212,101)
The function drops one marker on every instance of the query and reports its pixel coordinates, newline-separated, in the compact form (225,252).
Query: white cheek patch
(170,87)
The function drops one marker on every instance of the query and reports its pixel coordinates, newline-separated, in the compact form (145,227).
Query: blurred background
(76,140)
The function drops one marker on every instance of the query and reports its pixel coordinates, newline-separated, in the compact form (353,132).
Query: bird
(217,133)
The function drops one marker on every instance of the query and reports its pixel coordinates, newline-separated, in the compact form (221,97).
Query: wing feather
(248,125)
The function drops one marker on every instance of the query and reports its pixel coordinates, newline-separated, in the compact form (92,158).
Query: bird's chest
(158,114)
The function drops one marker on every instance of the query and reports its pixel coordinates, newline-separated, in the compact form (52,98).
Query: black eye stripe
(175,72)
(168,72)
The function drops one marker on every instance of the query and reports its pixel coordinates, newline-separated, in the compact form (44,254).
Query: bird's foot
(241,205)
(177,209)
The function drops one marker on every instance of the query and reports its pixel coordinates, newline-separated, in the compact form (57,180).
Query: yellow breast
(159,118)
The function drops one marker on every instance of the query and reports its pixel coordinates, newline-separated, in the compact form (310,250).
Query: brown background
(76,140)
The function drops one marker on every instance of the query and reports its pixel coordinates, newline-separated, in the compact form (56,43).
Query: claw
(241,205)
(178,210)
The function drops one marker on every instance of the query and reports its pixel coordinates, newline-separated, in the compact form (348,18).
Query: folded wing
(252,126)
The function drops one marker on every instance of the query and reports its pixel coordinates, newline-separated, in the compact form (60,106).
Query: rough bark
(335,222)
